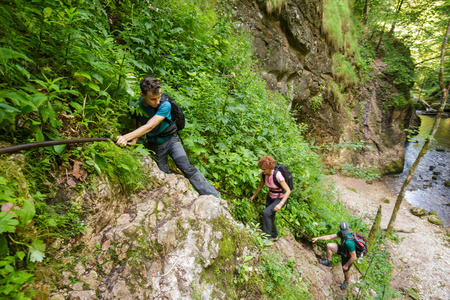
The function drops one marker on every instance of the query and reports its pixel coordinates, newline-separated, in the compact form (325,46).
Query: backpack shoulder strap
(164,98)
(348,238)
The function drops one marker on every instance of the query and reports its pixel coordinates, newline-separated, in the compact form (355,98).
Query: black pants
(269,227)
(175,149)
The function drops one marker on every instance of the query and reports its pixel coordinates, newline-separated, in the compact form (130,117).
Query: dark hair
(266,162)
(150,84)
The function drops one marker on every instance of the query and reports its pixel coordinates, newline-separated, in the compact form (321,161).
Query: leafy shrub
(281,279)
(377,274)
(400,66)
(120,166)
(366,173)
(343,70)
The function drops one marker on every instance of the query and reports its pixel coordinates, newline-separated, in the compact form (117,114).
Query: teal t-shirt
(350,244)
(164,111)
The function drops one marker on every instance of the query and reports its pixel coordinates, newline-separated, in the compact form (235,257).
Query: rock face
(291,47)
(165,243)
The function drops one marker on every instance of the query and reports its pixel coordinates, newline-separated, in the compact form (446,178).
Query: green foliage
(281,279)
(377,274)
(11,278)
(343,70)
(366,173)
(13,266)
(356,146)
(272,5)
(400,65)
(335,89)
(316,102)
(120,166)
(343,33)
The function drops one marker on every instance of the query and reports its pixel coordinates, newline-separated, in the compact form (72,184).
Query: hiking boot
(344,285)
(326,262)
(274,239)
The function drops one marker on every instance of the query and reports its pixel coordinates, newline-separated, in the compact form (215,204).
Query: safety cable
(16,148)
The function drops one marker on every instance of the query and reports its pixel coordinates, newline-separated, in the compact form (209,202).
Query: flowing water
(427,187)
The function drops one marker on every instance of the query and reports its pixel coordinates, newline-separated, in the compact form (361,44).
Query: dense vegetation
(70,68)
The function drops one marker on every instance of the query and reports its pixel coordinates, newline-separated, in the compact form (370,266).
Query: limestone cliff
(166,242)
(293,51)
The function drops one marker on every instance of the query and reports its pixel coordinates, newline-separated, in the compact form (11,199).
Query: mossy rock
(386,200)
(435,220)
(447,183)
(418,211)
(393,168)
(432,212)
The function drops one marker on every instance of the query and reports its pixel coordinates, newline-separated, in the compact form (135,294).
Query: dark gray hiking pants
(269,226)
(176,151)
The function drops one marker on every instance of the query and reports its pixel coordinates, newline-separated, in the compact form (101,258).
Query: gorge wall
(296,60)
(166,242)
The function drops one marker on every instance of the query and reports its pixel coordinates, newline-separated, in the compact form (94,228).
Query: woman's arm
(258,189)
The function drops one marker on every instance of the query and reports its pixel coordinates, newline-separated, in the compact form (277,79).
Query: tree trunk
(397,11)
(374,230)
(381,38)
(426,146)
(366,12)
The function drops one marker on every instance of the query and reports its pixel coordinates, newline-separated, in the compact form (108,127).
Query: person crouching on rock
(153,122)
(347,250)
(275,199)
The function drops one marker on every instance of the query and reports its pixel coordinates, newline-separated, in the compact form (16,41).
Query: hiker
(275,199)
(152,126)
(347,250)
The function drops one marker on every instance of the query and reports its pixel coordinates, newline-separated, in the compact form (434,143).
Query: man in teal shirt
(347,250)
(153,122)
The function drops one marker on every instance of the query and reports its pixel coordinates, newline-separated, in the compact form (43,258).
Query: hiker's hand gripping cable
(123,140)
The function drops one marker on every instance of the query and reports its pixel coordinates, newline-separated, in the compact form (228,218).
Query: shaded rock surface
(292,49)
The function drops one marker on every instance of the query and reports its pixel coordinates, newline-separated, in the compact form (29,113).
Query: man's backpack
(360,242)
(287,174)
(178,118)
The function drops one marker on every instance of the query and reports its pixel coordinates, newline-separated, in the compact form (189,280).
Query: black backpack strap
(344,250)
(164,98)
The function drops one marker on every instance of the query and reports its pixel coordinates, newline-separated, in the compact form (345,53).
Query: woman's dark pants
(269,226)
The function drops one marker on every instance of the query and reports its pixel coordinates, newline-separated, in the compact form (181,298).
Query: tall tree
(366,12)
(426,146)
(397,11)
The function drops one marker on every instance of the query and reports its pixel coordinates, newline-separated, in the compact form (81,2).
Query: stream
(427,187)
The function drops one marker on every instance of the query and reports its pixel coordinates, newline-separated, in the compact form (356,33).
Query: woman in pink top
(275,198)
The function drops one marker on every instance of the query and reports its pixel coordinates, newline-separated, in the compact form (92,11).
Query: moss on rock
(435,220)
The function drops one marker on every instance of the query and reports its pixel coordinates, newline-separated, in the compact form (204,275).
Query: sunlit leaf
(36,251)
(26,212)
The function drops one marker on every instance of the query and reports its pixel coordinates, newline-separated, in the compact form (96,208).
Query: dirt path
(422,259)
